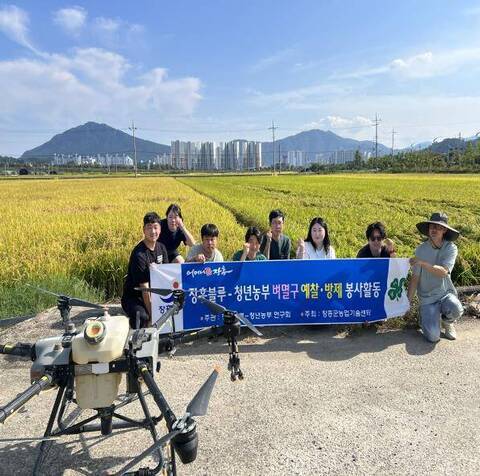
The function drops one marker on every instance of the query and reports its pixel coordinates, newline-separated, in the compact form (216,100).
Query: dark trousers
(136,313)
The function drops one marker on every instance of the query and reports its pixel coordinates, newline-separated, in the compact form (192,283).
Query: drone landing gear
(234,360)
(110,421)
(232,331)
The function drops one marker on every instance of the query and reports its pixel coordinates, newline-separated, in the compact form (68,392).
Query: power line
(210,131)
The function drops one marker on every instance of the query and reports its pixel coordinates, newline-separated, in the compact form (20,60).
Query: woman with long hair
(317,244)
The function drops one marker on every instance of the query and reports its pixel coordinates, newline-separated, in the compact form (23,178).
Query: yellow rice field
(77,234)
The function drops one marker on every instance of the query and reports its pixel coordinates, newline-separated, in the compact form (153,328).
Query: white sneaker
(449,330)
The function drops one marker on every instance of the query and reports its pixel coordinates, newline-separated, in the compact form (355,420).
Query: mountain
(93,138)
(447,145)
(444,146)
(418,146)
(317,142)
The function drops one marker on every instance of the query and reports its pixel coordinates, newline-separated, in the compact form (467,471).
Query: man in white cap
(431,268)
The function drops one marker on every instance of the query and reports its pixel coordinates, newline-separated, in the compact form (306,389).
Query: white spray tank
(100,341)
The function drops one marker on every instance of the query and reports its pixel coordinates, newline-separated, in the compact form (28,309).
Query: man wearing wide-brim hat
(431,268)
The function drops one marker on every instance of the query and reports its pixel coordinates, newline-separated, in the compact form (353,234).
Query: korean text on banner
(295,292)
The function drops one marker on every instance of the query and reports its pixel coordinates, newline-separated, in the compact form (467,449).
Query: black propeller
(161,291)
(198,406)
(218,309)
(71,300)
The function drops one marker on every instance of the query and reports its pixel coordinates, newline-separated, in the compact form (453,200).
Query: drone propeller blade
(161,291)
(199,404)
(213,306)
(73,301)
(81,302)
(161,442)
(46,291)
(248,323)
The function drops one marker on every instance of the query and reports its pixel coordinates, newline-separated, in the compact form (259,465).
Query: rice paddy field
(75,236)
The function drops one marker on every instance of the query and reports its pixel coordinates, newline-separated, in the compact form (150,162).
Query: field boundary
(239,217)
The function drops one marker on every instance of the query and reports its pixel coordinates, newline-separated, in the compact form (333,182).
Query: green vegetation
(350,202)
(75,236)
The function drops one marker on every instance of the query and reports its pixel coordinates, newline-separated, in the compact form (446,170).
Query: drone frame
(137,370)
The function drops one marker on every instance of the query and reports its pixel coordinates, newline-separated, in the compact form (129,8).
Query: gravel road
(313,402)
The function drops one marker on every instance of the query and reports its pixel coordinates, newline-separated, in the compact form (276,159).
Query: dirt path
(313,402)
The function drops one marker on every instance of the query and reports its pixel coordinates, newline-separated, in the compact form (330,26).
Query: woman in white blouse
(317,244)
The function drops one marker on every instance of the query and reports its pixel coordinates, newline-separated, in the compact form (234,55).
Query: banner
(285,292)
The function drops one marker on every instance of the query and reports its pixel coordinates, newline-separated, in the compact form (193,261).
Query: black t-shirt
(171,239)
(365,252)
(138,267)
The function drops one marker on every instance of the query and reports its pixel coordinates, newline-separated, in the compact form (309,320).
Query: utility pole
(376,123)
(393,139)
(279,159)
(133,129)
(273,143)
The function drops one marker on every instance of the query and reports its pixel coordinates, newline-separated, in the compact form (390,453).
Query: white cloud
(109,32)
(272,60)
(415,118)
(14,24)
(423,65)
(61,91)
(72,19)
(107,24)
(338,122)
(112,32)
(300,98)
(428,64)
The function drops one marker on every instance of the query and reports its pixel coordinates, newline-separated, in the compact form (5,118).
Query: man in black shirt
(375,248)
(148,251)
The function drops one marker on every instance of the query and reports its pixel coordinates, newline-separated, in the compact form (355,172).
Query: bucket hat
(439,218)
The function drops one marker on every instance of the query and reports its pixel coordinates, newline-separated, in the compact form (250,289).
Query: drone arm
(24,397)
(166,344)
(20,349)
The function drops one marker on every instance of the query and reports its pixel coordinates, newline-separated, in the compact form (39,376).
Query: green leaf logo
(396,289)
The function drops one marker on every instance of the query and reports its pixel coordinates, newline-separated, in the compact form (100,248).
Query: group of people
(431,267)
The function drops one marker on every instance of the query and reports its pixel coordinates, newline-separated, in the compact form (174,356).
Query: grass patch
(20,299)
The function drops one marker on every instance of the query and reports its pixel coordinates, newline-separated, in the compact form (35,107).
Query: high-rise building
(254,156)
(207,156)
(233,155)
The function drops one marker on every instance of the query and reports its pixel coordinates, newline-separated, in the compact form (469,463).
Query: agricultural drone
(86,365)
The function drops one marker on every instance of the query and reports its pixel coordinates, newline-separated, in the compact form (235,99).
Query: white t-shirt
(316,253)
(198,249)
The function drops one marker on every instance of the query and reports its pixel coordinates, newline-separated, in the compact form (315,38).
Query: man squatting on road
(149,250)
(431,268)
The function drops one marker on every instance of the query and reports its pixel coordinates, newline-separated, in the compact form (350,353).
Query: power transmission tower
(376,123)
(133,129)
(273,143)
(393,139)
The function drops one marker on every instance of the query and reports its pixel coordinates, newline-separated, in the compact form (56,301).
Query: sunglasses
(375,238)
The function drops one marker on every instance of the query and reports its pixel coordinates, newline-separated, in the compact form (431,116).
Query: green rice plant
(349,202)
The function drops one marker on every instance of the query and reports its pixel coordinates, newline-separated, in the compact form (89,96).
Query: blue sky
(220,70)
